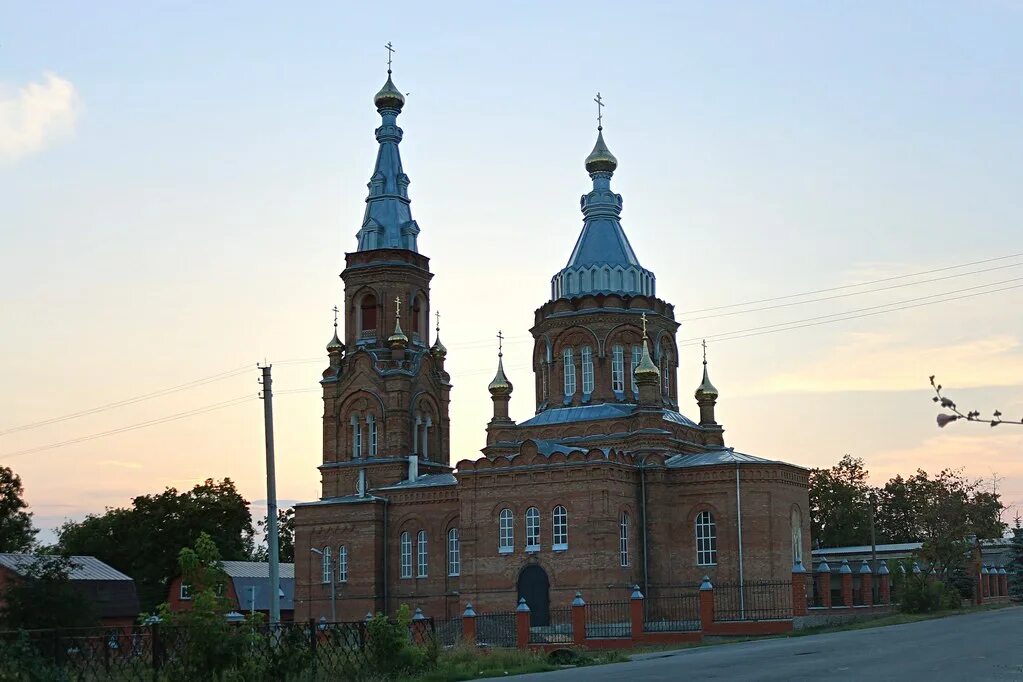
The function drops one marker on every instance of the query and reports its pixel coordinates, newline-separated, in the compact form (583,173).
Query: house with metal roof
(247,587)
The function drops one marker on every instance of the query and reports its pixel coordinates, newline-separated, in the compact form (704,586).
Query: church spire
(388,222)
(706,395)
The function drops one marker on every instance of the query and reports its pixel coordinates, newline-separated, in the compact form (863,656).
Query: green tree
(285,537)
(1014,567)
(44,597)
(839,499)
(16,531)
(143,540)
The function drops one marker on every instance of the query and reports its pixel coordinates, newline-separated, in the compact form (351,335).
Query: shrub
(390,649)
(920,595)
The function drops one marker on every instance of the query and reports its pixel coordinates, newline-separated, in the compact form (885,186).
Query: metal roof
(82,567)
(860,549)
(256,569)
(254,593)
(424,481)
(712,457)
(565,415)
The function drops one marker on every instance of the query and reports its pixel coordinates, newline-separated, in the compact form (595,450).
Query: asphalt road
(978,646)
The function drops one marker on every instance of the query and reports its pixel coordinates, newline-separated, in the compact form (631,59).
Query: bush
(920,595)
(391,650)
(21,662)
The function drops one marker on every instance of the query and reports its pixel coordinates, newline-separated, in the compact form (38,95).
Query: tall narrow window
(532,529)
(569,371)
(637,355)
(328,571)
(371,421)
(797,536)
(665,372)
(368,313)
(617,369)
(586,355)
(454,553)
(706,539)
(342,564)
(506,532)
(406,555)
(416,310)
(421,554)
(560,526)
(356,437)
(623,540)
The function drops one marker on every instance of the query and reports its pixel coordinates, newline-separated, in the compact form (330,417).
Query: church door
(535,587)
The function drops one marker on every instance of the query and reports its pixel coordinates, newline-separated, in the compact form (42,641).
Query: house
(247,587)
(111,592)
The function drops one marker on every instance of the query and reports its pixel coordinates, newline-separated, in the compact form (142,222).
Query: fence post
(578,619)
(1003,582)
(706,604)
(985,587)
(824,583)
(522,624)
(992,579)
(636,615)
(419,627)
(845,572)
(798,589)
(866,584)
(469,625)
(884,585)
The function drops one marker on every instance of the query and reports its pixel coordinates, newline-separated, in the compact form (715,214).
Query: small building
(111,592)
(248,588)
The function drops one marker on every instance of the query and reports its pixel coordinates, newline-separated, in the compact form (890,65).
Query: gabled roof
(424,481)
(582,413)
(256,569)
(713,457)
(83,567)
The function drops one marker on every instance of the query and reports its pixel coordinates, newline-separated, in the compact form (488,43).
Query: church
(608,486)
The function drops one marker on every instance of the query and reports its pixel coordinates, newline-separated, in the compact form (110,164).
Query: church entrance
(535,587)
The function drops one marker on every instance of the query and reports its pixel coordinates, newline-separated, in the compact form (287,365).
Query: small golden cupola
(397,340)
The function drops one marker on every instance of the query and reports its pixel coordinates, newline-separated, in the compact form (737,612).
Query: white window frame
(454,553)
(568,357)
(506,532)
(623,540)
(372,423)
(342,564)
(637,355)
(356,437)
(185,592)
(706,539)
(617,368)
(532,529)
(327,567)
(405,551)
(559,527)
(586,356)
(422,563)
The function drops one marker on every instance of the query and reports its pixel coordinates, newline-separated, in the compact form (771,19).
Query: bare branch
(944,418)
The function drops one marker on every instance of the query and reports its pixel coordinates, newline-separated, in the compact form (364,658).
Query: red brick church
(608,486)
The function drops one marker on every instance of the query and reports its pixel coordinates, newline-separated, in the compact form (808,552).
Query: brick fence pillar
(985,585)
(522,624)
(866,584)
(884,584)
(469,626)
(706,604)
(992,579)
(845,571)
(1003,582)
(798,589)
(578,619)
(418,627)
(824,583)
(636,615)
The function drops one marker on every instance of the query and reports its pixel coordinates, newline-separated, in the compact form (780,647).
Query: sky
(179,182)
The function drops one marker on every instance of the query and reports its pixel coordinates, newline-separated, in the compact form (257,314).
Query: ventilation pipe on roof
(413,468)
(361,485)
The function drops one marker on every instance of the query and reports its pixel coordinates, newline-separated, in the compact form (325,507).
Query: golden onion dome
(500,386)
(646,369)
(438,350)
(397,339)
(335,345)
(706,390)
(389,96)
(601,158)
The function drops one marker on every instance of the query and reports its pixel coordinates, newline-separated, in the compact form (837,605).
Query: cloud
(36,115)
(885,362)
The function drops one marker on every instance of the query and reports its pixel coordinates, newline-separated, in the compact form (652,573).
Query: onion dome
(335,345)
(389,96)
(600,159)
(397,339)
(706,390)
(646,369)
(438,350)
(500,386)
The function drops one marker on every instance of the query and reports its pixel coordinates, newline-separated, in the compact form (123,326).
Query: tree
(285,537)
(1015,565)
(143,540)
(43,597)
(896,515)
(839,499)
(16,531)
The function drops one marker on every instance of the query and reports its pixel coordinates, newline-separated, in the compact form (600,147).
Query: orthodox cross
(600,113)
(500,343)
(336,311)
(644,325)
(397,306)
(705,351)
(390,53)
(438,322)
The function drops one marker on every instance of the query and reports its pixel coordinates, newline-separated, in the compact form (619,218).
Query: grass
(468,663)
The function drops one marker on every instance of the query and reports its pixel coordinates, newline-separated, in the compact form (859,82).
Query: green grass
(467,663)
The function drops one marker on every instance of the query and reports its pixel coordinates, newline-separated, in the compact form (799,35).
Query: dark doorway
(535,587)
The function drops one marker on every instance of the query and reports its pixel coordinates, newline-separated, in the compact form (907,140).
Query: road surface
(977,646)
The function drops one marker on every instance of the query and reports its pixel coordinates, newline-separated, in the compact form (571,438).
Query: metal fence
(496,629)
(608,619)
(448,632)
(673,613)
(558,630)
(753,600)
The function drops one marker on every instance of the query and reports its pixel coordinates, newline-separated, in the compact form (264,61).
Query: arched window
(368,316)
(356,437)
(342,564)
(797,536)
(637,355)
(328,571)
(623,540)
(421,554)
(559,522)
(617,369)
(665,371)
(586,355)
(532,529)
(454,553)
(417,309)
(406,555)
(371,421)
(569,371)
(706,540)
(506,532)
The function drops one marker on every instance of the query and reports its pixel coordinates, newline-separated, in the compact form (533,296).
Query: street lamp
(333,609)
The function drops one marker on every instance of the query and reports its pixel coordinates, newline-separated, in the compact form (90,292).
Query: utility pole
(873,540)
(271,499)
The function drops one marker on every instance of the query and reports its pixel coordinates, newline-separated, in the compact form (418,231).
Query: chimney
(362,483)
(413,468)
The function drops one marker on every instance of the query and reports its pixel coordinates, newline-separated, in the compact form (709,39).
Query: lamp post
(333,611)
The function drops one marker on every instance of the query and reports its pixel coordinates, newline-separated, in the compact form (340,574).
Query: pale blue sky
(193,213)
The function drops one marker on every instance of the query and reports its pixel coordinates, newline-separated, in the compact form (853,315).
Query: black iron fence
(753,600)
(608,619)
(496,629)
(557,631)
(448,632)
(673,613)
